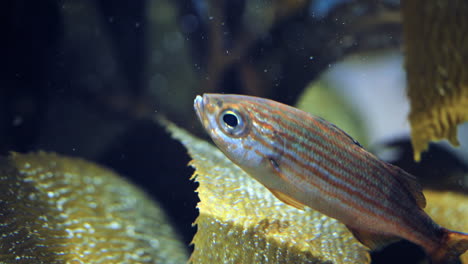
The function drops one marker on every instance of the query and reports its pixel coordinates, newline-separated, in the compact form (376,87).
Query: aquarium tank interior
(234,131)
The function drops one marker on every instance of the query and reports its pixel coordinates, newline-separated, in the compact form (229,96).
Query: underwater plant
(56,209)
(436,52)
(306,161)
(242,222)
(98,67)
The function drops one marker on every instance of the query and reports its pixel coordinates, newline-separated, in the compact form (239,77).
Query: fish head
(233,123)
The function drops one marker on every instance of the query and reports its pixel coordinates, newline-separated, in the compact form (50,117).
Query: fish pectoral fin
(287,199)
(280,195)
(371,240)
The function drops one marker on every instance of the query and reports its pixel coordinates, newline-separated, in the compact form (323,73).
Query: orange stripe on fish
(306,161)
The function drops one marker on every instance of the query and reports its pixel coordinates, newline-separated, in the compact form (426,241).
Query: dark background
(85,78)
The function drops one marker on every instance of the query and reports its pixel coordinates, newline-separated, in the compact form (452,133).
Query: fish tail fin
(453,245)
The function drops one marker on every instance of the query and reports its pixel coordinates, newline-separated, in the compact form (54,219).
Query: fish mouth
(199,106)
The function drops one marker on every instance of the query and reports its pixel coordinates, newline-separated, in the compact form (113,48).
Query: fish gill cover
(240,221)
(56,209)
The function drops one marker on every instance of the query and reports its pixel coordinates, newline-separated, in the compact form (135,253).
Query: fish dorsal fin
(411,184)
(287,199)
(341,131)
(371,240)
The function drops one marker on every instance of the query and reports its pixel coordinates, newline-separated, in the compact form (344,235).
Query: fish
(306,161)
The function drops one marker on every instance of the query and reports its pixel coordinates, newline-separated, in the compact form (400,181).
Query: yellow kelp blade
(450,210)
(436,49)
(241,222)
(56,209)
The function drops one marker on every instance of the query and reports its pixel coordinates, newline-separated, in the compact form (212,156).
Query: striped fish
(306,161)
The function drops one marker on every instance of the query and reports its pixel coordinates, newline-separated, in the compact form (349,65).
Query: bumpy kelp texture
(240,221)
(436,50)
(56,209)
(449,209)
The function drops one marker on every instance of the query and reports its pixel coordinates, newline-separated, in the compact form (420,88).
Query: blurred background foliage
(85,78)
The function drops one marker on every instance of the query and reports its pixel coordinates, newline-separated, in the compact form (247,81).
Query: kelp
(242,222)
(436,52)
(450,210)
(56,209)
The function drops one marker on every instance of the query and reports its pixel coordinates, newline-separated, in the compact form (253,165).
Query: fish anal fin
(287,199)
(411,184)
(371,240)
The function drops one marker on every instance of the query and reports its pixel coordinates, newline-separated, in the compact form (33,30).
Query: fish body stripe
(347,159)
(317,161)
(343,179)
(318,130)
(326,155)
(329,177)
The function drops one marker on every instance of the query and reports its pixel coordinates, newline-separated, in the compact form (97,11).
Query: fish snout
(199,106)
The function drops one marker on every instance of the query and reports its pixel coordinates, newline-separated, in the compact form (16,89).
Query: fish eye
(232,122)
(230,119)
